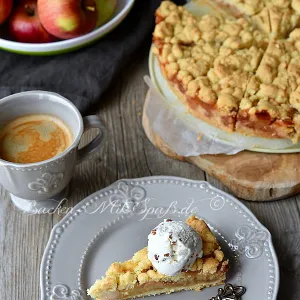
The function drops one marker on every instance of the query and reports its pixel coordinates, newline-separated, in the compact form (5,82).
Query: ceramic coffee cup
(37,187)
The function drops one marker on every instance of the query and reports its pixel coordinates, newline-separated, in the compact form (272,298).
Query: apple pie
(138,278)
(230,73)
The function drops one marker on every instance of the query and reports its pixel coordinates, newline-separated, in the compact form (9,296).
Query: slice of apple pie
(187,255)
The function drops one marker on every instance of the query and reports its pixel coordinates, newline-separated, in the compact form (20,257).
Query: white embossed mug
(39,187)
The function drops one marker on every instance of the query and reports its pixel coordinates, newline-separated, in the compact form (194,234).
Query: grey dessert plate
(113,223)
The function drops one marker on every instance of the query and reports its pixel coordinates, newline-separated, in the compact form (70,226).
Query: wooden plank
(22,242)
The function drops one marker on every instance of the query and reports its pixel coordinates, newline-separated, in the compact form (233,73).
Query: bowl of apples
(43,27)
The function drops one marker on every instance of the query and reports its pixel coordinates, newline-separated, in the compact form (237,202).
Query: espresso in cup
(34,138)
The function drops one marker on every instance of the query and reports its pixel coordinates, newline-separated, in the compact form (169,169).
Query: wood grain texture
(248,175)
(127,154)
(22,242)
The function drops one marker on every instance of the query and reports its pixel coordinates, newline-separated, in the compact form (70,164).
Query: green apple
(105,9)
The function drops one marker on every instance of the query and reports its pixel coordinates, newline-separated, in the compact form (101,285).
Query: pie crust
(275,17)
(137,277)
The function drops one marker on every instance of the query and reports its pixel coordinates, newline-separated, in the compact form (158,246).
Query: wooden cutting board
(249,175)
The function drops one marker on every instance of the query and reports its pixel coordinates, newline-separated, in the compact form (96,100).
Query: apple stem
(90,8)
(29,10)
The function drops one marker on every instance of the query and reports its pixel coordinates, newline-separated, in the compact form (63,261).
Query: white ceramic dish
(97,232)
(122,9)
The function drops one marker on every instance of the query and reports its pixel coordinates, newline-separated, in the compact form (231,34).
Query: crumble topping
(212,58)
(139,270)
(233,66)
(276,21)
(274,88)
(249,7)
(274,17)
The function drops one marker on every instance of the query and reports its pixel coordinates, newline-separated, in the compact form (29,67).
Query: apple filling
(155,288)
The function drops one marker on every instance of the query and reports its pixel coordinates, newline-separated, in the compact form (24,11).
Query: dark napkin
(84,75)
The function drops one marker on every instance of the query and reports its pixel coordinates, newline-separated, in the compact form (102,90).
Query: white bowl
(122,9)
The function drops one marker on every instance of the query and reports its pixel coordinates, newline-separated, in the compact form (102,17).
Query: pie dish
(137,277)
(231,73)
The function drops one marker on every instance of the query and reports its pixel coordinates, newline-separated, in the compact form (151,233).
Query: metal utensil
(230,292)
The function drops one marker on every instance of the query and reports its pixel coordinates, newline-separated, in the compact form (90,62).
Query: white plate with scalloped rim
(98,232)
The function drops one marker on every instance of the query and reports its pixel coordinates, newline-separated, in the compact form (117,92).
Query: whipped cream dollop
(173,247)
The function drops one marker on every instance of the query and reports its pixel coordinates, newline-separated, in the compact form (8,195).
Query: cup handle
(88,123)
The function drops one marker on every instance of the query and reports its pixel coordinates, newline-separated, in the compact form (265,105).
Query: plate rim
(161,178)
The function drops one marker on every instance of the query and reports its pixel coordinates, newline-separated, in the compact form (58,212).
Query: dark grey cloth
(84,75)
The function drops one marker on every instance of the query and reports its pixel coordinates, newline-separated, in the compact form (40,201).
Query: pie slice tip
(137,277)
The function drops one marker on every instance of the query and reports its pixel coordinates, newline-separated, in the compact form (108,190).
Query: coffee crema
(34,138)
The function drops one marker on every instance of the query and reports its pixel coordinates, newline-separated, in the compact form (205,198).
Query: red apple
(68,19)
(25,25)
(5,9)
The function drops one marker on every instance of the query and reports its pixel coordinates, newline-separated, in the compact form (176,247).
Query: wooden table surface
(128,154)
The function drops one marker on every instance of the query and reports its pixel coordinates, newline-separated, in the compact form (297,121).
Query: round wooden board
(249,175)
